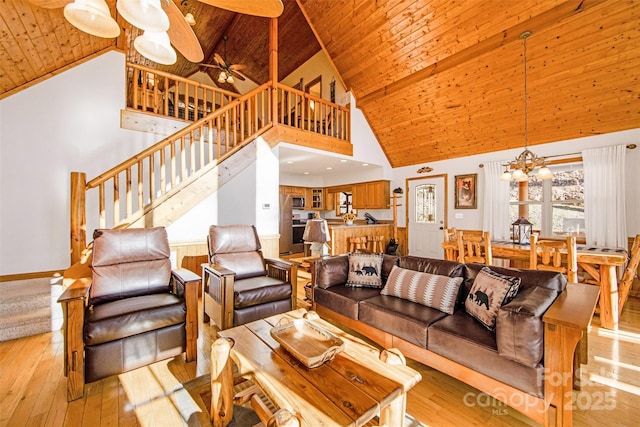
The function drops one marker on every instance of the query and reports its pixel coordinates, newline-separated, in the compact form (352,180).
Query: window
(426,203)
(554,207)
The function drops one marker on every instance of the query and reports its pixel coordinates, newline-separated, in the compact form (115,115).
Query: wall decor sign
(466,192)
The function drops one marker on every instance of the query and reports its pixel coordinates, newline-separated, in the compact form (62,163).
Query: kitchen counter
(341,233)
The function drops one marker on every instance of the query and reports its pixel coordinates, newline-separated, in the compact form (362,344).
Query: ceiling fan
(228,71)
(162,22)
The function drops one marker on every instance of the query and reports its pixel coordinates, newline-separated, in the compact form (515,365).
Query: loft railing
(168,95)
(309,113)
(135,187)
(130,190)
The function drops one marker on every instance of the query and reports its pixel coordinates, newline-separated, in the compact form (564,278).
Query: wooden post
(78,215)
(221,383)
(273,66)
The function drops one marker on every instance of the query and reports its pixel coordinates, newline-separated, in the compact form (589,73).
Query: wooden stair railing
(305,112)
(133,188)
(168,95)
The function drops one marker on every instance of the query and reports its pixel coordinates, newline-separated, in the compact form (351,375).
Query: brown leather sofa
(527,362)
(239,285)
(133,311)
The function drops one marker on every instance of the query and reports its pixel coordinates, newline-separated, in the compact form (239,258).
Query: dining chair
(450,244)
(629,273)
(474,247)
(547,254)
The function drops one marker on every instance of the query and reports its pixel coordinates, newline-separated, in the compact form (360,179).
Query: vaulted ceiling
(436,79)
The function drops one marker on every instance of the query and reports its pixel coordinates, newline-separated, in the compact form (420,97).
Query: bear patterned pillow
(365,270)
(489,292)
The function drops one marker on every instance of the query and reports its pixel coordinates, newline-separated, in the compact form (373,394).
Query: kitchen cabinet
(371,195)
(293,191)
(315,198)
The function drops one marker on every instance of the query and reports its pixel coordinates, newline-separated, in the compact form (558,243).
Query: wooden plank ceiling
(436,79)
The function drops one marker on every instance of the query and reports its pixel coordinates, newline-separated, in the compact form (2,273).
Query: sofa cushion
(432,290)
(132,316)
(519,325)
(365,270)
(259,290)
(489,292)
(462,339)
(331,271)
(405,319)
(433,266)
(528,278)
(342,299)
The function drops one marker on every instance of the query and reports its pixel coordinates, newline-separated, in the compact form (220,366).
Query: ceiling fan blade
(221,62)
(50,4)
(239,75)
(266,8)
(237,67)
(181,35)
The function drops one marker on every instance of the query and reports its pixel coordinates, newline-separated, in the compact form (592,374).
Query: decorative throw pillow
(432,290)
(365,270)
(489,292)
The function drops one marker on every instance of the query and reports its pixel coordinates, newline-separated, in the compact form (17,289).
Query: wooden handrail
(136,186)
(168,95)
(309,113)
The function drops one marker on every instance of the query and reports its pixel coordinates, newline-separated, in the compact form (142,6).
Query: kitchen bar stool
(356,243)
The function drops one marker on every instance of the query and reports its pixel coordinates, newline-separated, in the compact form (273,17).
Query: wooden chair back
(547,254)
(450,244)
(474,247)
(629,273)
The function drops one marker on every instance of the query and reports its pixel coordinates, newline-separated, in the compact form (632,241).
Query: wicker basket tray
(310,344)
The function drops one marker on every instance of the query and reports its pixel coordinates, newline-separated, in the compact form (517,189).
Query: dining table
(600,262)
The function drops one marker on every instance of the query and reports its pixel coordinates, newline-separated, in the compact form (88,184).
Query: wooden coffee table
(349,390)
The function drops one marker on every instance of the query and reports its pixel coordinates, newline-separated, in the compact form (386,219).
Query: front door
(427,205)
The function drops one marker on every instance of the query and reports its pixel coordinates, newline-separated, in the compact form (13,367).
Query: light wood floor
(33,387)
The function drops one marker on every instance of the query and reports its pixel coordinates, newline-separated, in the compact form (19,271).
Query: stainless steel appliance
(286,222)
(298,202)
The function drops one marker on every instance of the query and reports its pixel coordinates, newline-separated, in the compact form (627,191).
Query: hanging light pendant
(156,47)
(144,14)
(527,161)
(92,17)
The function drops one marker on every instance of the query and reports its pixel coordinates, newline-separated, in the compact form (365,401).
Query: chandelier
(526,162)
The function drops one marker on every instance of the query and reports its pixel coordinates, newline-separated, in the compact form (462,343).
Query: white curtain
(604,194)
(495,218)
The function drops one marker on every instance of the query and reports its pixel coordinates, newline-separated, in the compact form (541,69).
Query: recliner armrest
(179,279)
(185,284)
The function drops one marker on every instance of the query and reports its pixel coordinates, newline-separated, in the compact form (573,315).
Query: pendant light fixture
(92,17)
(156,47)
(527,161)
(144,14)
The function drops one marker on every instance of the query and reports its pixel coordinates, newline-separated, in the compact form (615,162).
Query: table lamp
(317,232)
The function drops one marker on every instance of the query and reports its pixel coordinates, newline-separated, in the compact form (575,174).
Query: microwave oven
(298,202)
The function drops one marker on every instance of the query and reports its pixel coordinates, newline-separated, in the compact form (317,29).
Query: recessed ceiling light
(329,168)
(365,164)
(343,161)
(289,162)
(306,173)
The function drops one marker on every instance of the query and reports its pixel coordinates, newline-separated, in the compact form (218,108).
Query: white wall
(472,218)
(70,122)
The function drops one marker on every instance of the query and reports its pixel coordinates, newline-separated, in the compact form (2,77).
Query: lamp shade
(156,47)
(316,230)
(92,17)
(144,14)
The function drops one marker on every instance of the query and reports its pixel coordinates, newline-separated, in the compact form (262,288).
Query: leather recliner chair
(238,284)
(132,312)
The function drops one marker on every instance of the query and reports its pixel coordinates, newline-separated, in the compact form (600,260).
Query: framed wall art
(466,192)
